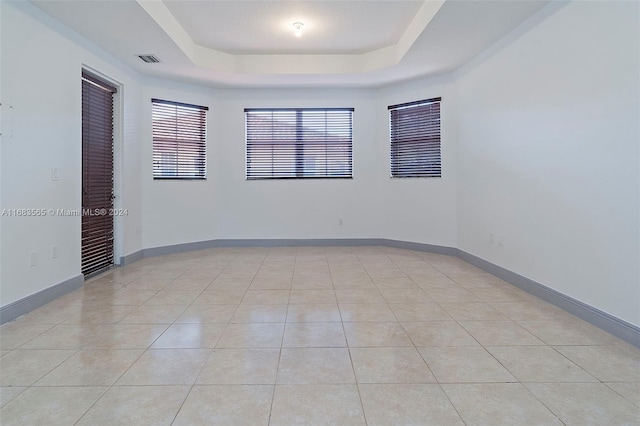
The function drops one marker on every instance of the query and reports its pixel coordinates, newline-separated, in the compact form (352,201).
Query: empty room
(382,212)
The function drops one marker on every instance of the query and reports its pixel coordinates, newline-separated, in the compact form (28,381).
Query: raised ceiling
(251,43)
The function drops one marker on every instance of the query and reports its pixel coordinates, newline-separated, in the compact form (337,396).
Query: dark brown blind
(179,140)
(415,139)
(299,143)
(97,174)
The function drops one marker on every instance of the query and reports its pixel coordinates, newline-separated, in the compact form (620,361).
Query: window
(299,143)
(179,140)
(415,139)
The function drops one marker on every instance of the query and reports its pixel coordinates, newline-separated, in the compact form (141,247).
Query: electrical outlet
(501,241)
(54,252)
(54,174)
(33,258)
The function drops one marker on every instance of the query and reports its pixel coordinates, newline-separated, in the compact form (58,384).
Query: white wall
(548,153)
(420,210)
(371,205)
(177,211)
(41,106)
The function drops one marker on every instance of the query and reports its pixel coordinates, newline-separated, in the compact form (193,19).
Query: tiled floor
(291,336)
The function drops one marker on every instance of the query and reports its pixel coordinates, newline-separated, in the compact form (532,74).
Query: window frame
(302,170)
(190,140)
(428,140)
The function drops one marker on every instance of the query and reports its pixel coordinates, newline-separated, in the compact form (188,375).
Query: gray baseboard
(622,329)
(20,307)
(130,258)
(429,248)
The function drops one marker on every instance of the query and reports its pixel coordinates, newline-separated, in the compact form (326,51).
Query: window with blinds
(415,139)
(299,143)
(97,173)
(179,140)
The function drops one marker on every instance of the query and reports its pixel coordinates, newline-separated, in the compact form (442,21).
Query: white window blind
(415,139)
(299,143)
(179,140)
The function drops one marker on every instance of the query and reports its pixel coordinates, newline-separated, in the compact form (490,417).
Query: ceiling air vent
(150,59)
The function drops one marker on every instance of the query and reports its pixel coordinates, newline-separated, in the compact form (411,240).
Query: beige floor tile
(419,311)
(266,297)
(69,336)
(207,314)
(146,314)
(314,335)
(359,296)
(498,404)
(271,283)
(190,336)
(380,273)
(312,296)
(50,405)
(226,405)
(267,335)
(240,367)
(220,297)
(110,314)
(451,294)
(313,312)
(539,364)
(500,333)
(166,297)
(630,391)
(149,283)
(237,324)
(370,334)
(7,393)
(136,405)
(407,404)
(365,312)
(534,311)
(234,284)
(467,364)
(91,368)
(470,311)
(166,367)
(606,363)
(405,295)
(562,332)
(260,313)
(429,280)
(586,403)
(390,365)
(438,333)
(312,283)
(315,366)
(317,405)
(127,297)
(189,284)
(394,282)
(495,294)
(14,334)
(52,313)
(129,336)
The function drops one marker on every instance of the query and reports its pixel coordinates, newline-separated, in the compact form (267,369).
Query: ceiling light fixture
(297,31)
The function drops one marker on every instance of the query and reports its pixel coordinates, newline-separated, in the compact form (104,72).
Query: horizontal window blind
(299,143)
(97,173)
(415,139)
(179,140)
